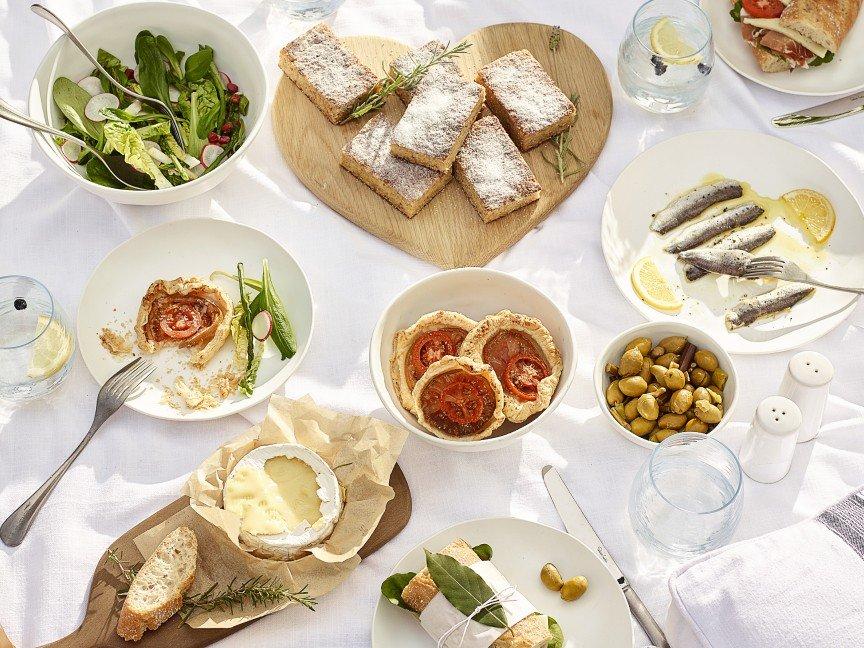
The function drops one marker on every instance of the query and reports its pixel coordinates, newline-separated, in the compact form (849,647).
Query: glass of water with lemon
(666,57)
(36,342)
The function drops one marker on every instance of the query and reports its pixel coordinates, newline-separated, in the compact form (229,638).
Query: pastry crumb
(117,344)
(196,395)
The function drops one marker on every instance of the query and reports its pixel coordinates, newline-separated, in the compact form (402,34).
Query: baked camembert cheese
(287,498)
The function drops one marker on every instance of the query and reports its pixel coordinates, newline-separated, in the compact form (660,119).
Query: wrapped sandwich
(494,614)
(789,34)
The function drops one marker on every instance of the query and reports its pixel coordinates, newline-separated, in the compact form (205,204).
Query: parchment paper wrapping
(362,451)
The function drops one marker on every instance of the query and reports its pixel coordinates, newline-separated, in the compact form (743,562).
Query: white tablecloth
(57,232)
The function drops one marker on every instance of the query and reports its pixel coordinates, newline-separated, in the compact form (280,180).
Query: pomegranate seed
(213,138)
(235,98)
(224,139)
(227,127)
(232,87)
(130,74)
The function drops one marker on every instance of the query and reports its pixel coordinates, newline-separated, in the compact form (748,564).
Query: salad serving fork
(111,397)
(779,268)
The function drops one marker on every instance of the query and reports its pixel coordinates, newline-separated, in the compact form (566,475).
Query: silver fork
(113,394)
(779,268)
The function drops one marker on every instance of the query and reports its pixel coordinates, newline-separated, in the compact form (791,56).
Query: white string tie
(506,595)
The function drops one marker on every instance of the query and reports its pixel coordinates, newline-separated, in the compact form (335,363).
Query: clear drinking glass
(686,499)
(309,9)
(666,57)
(36,343)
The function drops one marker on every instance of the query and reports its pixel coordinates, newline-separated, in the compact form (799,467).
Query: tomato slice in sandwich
(764,8)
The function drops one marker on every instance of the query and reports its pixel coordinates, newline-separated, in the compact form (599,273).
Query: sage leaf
(71,99)
(392,588)
(484,551)
(465,589)
(557,640)
(283,333)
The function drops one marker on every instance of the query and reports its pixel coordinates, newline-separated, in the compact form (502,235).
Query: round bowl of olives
(657,379)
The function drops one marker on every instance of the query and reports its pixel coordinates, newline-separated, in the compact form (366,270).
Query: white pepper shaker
(769,445)
(806,382)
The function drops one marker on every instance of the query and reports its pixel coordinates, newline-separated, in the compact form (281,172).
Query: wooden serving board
(98,629)
(448,232)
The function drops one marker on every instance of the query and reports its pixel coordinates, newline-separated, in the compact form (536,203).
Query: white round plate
(842,75)
(677,164)
(186,248)
(476,293)
(520,548)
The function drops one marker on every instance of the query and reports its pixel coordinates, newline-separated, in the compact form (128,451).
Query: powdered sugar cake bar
(330,75)
(526,100)
(437,120)
(406,64)
(407,186)
(492,171)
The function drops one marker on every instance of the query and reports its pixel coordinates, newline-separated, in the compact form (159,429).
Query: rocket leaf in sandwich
(392,588)
(736,11)
(465,589)
(483,551)
(816,62)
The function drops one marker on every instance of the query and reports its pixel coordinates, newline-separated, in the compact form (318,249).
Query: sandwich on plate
(789,34)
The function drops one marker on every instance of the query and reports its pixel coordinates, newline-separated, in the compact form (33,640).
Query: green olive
(611,369)
(707,412)
(573,588)
(716,397)
(631,410)
(659,371)
(672,421)
(675,379)
(646,369)
(618,414)
(706,360)
(673,343)
(657,351)
(666,359)
(718,377)
(662,435)
(647,407)
(695,425)
(613,393)
(700,377)
(551,577)
(681,401)
(641,343)
(631,363)
(633,386)
(642,427)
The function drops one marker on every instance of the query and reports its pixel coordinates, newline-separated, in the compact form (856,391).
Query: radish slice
(134,108)
(173,94)
(262,325)
(135,74)
(71,150)
(94,107)
(209,154)
(92,85)
(225,78)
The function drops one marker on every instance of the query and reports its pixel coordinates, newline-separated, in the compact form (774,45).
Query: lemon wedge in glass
(51,350)
(652,287)
(814,211)
(668,44)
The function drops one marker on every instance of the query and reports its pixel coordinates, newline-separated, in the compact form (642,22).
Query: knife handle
(643,616)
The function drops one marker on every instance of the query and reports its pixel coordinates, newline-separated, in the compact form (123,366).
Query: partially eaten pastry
(184,313)
(523,355)
(459,399)
(429,339)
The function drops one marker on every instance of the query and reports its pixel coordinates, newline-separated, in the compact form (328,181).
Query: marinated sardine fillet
(694,202)
(726,262)
(750,309)
(715,225)
(747,239)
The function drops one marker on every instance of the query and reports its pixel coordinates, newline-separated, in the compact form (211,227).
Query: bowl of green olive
(657,379)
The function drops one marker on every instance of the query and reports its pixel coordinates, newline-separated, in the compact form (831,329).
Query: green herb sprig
(393,82)
(736,11)
(555,39)
(564,155)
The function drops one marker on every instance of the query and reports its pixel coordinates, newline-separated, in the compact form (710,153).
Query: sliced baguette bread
(156,592)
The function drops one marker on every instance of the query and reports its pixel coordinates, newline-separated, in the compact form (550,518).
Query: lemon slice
(813,210)
(51,350)
(652,287)
(668,44)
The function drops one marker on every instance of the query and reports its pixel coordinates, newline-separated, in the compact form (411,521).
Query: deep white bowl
(114,30)
(474,292)
(657,331)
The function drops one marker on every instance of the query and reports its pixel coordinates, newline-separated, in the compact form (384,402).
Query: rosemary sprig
(129,573)
(563,153)
(555,38)
(256,591)
(393,82)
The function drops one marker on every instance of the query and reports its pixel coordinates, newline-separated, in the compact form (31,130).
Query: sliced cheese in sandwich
(773,24)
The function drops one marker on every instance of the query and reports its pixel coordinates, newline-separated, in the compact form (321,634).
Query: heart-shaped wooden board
(448,231)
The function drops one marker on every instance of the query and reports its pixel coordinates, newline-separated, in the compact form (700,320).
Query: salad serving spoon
(51,17)
(115,165)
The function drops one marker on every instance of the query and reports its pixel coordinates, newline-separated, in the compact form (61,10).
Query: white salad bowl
(474,292)
(656,331)
(114,30)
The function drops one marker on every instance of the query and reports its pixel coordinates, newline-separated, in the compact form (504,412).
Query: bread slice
(492,171)
(406,64)
(437,120)
(770,61)
(826,22)
(530,632)
(525,98)
(407,186)
(156,592)
(328,73)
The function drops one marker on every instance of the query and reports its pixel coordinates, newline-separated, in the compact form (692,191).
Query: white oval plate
(193,247)
(842,75)
(673,166)
(520,548)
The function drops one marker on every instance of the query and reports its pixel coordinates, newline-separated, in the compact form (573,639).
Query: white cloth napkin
(802,586)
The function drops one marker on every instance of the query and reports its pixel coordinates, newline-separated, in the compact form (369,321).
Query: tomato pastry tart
(459,399)
(524,357)
(429,339)
(184,313)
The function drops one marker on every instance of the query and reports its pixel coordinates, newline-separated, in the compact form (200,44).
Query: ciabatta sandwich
(788,34)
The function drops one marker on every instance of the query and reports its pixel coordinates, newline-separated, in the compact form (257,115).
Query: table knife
(577,525)
(836,109)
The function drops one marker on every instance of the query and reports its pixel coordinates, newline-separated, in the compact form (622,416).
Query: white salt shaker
(806,382)
(769,445)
